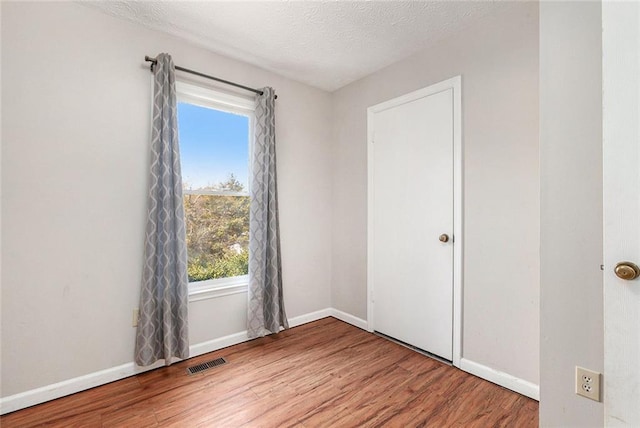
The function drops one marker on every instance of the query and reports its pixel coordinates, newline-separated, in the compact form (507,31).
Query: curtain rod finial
(153,61)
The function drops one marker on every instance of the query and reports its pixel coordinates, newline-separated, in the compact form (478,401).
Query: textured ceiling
(326,44)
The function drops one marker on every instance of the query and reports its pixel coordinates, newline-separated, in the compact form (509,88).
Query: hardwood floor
(322,374)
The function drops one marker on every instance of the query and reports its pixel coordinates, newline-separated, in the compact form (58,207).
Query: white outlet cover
(135,317)
(588,383)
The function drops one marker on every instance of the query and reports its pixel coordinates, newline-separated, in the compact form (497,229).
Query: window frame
(215,99)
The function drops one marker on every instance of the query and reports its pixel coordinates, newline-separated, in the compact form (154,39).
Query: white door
(411,171)
(621,142)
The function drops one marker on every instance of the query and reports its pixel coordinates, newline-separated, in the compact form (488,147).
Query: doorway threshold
(414,348)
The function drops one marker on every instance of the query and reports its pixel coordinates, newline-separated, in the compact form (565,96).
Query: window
(215,135)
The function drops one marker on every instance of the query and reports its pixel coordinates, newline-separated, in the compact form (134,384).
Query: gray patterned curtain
(162,327)
(266,303)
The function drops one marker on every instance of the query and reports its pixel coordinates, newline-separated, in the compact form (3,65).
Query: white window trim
(213,288)
(208,97)
(214,193)
(211,98)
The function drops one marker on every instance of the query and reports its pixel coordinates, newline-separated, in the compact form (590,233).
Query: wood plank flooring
(322,374)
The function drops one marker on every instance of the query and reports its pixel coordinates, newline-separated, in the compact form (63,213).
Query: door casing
(455,84)
(621,167)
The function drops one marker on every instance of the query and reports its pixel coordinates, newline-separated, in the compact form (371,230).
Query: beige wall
(571,302)
(74,161)
(498,61)
(76,99)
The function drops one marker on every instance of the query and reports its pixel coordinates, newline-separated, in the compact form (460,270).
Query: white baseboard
(215,344)
(234,339)
(508,381)
(91,380)
(71,386)
(310,317)
(349,319)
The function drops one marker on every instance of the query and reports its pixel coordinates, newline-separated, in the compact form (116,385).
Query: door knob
(444,238)
(627,271)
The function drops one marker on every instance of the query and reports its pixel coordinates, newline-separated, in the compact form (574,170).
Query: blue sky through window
(213,145)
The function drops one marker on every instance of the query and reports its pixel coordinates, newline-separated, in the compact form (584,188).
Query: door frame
(455,84)
(621,111)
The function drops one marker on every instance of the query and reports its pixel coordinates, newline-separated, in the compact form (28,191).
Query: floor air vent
(206,366)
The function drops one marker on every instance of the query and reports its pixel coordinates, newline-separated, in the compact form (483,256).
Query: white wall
(498,61)
(76,100)
(0,212)
(571,209)
(75,153)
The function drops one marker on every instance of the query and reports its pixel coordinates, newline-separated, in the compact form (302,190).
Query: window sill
(217,288)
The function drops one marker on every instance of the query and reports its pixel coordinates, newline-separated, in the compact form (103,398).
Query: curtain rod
(154,61)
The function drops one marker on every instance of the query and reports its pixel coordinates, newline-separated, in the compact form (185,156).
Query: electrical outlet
(136,314)
(588,383)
